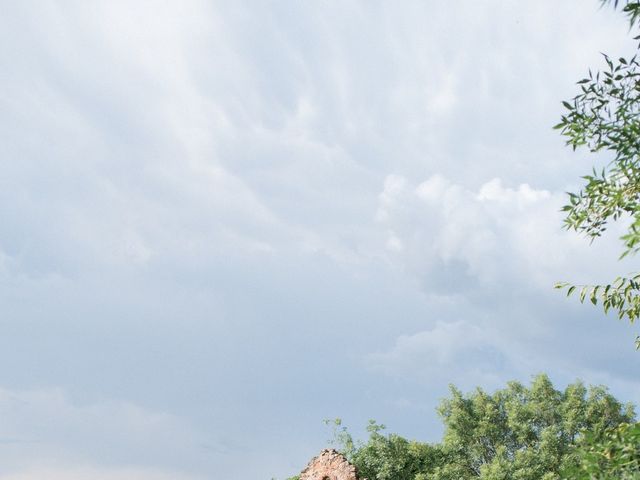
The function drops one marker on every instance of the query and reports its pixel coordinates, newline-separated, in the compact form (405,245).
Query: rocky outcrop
(329,465)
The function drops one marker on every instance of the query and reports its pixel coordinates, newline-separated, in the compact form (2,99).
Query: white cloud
(495,252)
(491,237)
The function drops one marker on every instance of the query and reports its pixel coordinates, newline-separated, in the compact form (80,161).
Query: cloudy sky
(223,222)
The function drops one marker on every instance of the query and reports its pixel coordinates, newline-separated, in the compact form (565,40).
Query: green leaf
(583,294)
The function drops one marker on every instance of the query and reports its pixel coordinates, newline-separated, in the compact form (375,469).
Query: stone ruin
(329,465)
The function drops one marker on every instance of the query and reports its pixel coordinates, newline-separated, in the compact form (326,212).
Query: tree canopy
(518,432)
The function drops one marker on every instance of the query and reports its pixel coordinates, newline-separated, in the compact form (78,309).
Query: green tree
(521,433)
(392,457)
(605,116)
(516,433)
(386,457)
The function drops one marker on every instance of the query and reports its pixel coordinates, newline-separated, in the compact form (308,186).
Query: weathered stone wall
(329,465)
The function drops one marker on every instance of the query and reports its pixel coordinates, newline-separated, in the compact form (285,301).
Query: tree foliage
(388,457)
(605,116)
(612,454)
(519,432)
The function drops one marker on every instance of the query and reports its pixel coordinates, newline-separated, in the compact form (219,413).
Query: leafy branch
(605,117)
(623,296)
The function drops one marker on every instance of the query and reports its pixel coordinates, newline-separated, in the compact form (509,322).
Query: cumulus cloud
(456,238)
(495,251)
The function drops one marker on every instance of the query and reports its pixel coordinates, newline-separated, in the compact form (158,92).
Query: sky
(224,222)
